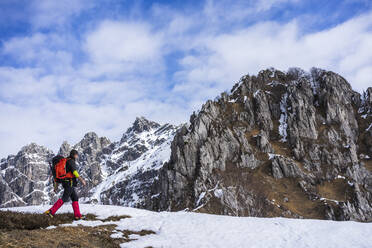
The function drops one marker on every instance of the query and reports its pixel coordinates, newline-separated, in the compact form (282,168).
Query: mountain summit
(141,124)
(292,144)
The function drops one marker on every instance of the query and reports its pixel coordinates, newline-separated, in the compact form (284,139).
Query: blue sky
(69,67)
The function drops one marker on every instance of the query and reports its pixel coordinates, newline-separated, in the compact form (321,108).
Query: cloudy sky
(72,66)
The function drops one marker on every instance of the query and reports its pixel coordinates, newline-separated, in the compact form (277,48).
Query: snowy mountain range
(294,144)
(120,173)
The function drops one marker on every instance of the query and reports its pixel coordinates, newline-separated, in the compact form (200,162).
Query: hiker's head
(74,154)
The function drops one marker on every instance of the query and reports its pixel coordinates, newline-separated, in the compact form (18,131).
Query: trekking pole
(55,185)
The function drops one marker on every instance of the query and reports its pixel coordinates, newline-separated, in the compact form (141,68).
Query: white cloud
(224,12)
(116,70)
(49,109)
(264,5)
(49,13)
(223,58)
(123,42)
(48,51)
(24,48)
(50,123)
(22,86)
(123,47)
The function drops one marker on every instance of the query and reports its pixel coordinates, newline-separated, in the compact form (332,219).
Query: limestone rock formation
(280,144)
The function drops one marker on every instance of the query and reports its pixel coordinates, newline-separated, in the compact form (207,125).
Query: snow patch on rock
(283,118)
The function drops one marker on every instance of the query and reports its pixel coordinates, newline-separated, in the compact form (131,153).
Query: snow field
(186,229)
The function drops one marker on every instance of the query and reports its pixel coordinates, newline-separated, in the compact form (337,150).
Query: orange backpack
(60,169)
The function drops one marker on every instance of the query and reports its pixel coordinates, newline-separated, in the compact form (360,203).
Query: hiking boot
(48,213)
(79,218)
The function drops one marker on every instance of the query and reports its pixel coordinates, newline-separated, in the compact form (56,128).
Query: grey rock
(294,126)
(263,142)
(65,149)
(25,177)
(285,167)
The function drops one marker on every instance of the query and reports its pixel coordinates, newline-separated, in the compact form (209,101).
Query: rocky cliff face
(132,165)
(290,144)
(24,178)
(119,173)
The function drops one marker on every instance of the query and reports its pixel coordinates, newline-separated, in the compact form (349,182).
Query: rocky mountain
(292,144)
(24,178)
(118,173)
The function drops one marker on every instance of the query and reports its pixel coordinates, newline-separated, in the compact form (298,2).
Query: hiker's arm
(82,181)
(76,174)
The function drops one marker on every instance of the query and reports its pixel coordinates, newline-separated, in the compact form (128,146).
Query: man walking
(66,174)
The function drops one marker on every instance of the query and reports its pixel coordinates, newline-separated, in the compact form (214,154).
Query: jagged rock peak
(142,124)
(65,149)
(368,96)
(92,140)
(296,76)
(93,137)
(90,135)
(34,148)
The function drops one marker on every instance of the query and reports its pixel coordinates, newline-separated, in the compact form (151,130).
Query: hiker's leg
(75,207)
(75,203)
(65,197)
(56,206)
(74,196)
(67,191)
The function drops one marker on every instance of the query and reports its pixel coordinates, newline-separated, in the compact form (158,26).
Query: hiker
(64,172)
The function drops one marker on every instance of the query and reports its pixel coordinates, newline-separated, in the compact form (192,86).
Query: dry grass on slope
(28,230)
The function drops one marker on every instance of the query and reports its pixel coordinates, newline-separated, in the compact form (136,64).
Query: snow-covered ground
(185,229)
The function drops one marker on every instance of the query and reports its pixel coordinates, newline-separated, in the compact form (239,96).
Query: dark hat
(73,153)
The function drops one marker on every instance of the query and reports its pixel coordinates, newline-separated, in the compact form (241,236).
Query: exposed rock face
(24,177)
(281,144)
(133,166)
(141,124)
(92,154)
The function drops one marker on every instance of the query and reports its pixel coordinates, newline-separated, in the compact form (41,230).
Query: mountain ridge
(294,144)
(290,144)
(99,159)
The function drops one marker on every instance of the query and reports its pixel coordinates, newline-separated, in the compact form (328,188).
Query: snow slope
(185,229)
(156,144)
